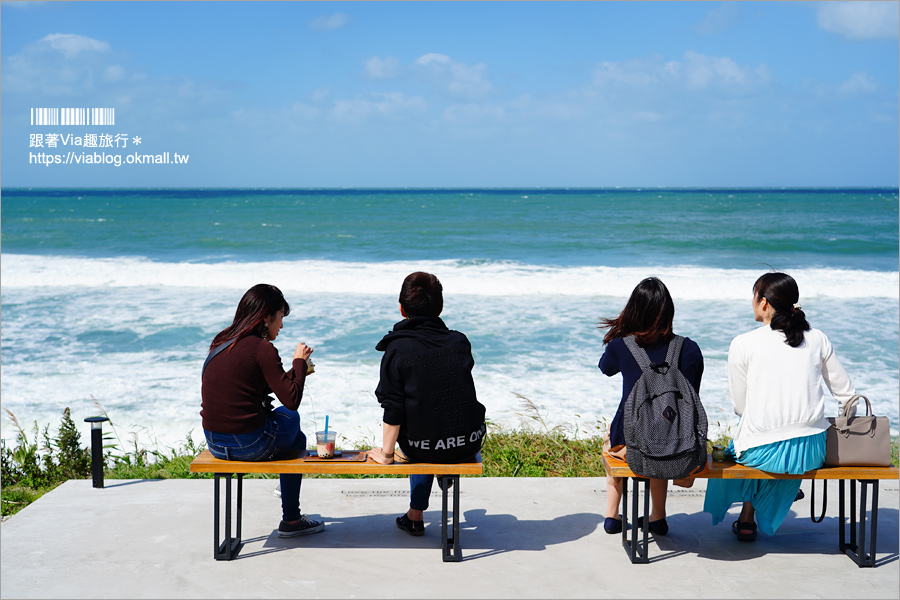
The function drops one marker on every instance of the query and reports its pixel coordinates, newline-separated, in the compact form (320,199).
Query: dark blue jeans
(280,435)
(420,491)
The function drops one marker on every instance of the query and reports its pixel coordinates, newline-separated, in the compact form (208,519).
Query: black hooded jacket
(426,387)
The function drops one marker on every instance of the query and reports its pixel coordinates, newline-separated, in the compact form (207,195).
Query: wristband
(386,455)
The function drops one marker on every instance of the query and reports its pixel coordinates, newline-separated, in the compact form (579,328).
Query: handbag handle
(848,408)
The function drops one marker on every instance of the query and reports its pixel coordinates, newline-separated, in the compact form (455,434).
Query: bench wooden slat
(731,470)
(207,463)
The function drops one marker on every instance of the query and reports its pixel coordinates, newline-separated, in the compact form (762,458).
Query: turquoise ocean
(113,295)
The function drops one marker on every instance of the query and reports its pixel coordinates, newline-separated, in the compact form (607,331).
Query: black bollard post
(97,449)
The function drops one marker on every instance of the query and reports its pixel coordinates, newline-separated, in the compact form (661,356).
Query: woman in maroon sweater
(242,369)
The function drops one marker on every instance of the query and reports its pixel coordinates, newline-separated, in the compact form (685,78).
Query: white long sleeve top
(777,389)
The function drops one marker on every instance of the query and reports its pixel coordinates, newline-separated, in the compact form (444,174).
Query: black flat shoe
(660,527)
(440,481)
(411,527)
(611,525)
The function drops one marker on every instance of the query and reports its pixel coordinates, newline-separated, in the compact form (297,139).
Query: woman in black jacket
(427,393)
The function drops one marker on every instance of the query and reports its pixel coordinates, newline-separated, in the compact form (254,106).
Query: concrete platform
(521,538)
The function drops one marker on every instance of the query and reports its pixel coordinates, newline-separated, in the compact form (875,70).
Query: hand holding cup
(303,351)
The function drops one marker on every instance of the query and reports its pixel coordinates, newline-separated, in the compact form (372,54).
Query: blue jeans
(280,435)
(420,490)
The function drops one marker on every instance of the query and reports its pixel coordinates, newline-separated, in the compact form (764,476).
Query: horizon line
(457,188)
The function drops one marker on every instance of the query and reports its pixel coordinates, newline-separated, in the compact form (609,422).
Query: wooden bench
(867,476)
(229,548)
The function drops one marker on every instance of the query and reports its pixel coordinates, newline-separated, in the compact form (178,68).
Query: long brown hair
(648,315)
(259,302)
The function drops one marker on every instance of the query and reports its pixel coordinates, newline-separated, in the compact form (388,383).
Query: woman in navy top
(648,316)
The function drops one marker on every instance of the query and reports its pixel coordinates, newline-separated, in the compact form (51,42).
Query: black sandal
(739,526)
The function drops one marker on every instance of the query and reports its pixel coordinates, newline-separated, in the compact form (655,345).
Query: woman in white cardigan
(775,376)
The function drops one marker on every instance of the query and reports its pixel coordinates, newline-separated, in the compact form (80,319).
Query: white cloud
(303,112)
(718,19)
(261,122)
(701,72)
(858,84)
(378,68)
(114,73)
(470,112)
(73,68)
(393,104)
(460,79)
(647,116)
(634,72)
(694,72)
(320,94)
(72,45)
(860,20)
(58,64)
(329,22)
(548,109)
(433,57)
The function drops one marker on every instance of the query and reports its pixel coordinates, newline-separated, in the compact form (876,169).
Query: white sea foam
(482,278)
(132,334)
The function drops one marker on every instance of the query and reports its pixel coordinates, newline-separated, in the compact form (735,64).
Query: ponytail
(783,295)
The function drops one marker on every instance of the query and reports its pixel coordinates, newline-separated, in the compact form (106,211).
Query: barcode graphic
(73,116)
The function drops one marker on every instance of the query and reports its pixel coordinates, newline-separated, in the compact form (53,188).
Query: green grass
(32,469)
(525,453)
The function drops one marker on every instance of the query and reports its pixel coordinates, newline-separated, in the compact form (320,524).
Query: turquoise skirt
(771,499)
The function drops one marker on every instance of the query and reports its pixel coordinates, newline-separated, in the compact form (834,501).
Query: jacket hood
(421,328)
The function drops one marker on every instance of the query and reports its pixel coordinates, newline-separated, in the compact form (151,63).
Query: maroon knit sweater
(238,381)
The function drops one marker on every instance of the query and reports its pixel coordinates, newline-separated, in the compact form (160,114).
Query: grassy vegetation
(41,462)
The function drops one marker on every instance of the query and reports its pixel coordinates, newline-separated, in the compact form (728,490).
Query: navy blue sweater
(618,359)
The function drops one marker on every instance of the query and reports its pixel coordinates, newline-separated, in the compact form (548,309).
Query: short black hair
(422,295)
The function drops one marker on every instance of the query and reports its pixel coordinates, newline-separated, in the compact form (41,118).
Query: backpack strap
(643,359)
(674,353)
(214,353)
(640,355)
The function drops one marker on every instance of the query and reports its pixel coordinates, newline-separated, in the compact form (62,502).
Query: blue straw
(326,424)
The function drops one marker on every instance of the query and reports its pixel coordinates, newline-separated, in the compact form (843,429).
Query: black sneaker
(409,526)
(304,526)
(440,480)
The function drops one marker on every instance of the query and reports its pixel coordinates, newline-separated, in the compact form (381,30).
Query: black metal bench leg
(812,503)
(450,547)
(636,552)
(229,547)
(240,507)
(857,552)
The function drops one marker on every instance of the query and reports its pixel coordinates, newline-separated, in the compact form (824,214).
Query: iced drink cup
(718,453)
(325,443)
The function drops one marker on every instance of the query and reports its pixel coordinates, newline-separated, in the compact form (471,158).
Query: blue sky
(460,94)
